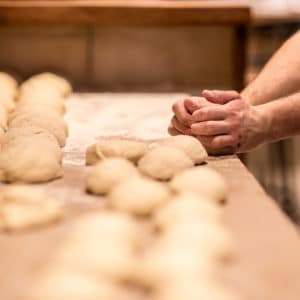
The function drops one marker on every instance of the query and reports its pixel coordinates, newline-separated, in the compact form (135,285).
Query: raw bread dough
(164,162)
(67,285)
(190,145)
(108,241)
(8,86)
(107,173)
(48,121)
(30,158)
(23,207)
(138,196)
(202,181)
(3,118)
(44,81)
(186,208)
(7,103)
(128,149)
(48,99)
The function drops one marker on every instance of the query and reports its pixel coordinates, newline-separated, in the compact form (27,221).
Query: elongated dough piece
(108,173)
(202,181)
(30,159)
(190,145)
(164,162)
(128,149)
(23,207)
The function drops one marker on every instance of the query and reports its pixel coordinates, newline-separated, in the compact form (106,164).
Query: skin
(231,122)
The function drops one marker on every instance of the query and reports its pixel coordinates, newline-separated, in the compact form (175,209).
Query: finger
(209,128)
(220,97)
(207,143)
(173,131)
(192,104)
(223,151)
(223,141)
(181,113)
(180,127)
(213,112)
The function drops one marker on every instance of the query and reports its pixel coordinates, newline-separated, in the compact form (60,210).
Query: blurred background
(161,56)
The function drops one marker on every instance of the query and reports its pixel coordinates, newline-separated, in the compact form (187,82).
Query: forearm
(280,77)
(281,118)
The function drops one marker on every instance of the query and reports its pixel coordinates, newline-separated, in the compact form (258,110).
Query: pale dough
(190,145)
(109,172)
(8,86)
(30,158)
(186,208)
(128,149)
(202,181)
(138,196)
(23,207)
(43,81)
(68,285)
(164,162)
(3,118)
(108,241)
(48,121)
(7,103)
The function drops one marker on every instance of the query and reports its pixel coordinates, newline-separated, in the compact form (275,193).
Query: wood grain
(106,12)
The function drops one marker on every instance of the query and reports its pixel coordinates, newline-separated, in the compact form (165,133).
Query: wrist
(265,118)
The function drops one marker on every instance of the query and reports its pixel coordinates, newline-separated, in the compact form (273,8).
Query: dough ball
(108,242)
(8,86)
(3,118)
(23,207)
(30,131)
(50,122)
(202,181)
(48,99)
(184,209)
(107,173)
(44,81)
(7,103)
(190,145)
(30,159)
(164,162)
(65,284)
(138,196)
(128,149)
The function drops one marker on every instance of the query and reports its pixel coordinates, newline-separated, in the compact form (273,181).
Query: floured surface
(269,248)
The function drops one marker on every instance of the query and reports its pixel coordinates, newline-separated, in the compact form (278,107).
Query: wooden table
(268,267)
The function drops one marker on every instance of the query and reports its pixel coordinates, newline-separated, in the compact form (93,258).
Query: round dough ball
(186,208)
(30,159)
(44,81)
(51,122)
(65,284)
(190,145)
(202,181)
(3,118)
(7,103)
(164,162)
(30,131)
(8,86)
(128,149)
(138,196)
(107,173)
(23,207)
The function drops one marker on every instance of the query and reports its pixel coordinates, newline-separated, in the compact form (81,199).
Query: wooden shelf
(111,12)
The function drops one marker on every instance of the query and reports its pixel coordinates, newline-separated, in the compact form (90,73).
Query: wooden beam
(105,12)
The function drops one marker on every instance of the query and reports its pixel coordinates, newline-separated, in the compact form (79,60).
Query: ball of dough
(65,284)
(23,207)
(45,81)
(202,181)
(8,86)
(138,196)
(3,118)
(128,149)
(190,145)
(7,103)
(164,162)
(30,159)
(51,122)
(108,173)
(186,208)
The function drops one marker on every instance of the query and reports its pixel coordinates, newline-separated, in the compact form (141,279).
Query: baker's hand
(232,126)
(183,109)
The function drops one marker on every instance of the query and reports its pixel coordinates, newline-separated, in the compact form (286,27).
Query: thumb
(220,97)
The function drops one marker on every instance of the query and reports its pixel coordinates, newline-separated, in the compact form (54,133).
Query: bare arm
(280,77)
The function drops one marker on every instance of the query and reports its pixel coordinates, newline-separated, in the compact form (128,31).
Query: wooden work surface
(118,12)
(268,267)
